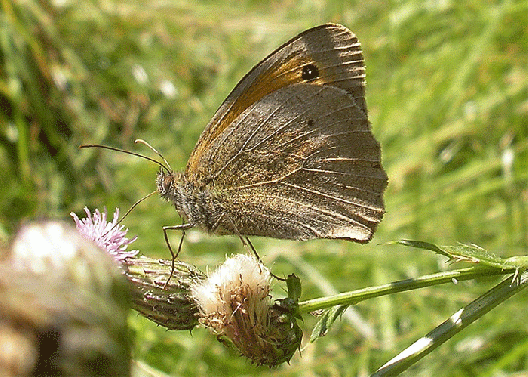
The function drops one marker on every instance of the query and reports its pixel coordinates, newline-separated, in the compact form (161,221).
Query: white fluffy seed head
(235,303)
(239,275)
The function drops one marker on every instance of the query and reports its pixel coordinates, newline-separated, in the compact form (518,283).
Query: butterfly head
(174,188)
(167,183)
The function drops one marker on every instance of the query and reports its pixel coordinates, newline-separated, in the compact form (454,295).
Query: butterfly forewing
(332,49)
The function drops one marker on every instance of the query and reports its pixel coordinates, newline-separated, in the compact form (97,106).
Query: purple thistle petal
(107,235)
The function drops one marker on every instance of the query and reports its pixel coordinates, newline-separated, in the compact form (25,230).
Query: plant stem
(454,324)
(353,297)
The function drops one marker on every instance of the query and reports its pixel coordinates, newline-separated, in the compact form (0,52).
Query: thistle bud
(167,302)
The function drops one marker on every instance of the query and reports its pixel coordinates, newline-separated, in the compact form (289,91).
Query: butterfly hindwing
(303,165)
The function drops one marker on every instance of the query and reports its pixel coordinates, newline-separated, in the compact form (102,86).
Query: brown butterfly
(289,154)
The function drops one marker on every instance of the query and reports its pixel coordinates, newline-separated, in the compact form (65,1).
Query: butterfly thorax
(191,203)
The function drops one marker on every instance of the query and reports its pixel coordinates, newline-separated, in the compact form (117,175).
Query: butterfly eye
(310,72)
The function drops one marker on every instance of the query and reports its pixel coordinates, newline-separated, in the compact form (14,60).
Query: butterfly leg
(246,242)
(183,228)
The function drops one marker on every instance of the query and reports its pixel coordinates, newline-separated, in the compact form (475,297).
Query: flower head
(63,306)
(107,235)
(234,301)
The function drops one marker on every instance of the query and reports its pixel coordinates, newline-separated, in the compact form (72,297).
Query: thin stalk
(454,324)
(353,297)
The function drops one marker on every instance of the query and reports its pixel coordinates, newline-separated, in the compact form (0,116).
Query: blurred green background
(447,91)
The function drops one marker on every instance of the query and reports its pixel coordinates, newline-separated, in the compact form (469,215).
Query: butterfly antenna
(165,167)
(155,151)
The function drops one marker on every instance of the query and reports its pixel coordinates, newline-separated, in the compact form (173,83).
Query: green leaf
(471,253)
(423,245)
(327,321)
(294,287)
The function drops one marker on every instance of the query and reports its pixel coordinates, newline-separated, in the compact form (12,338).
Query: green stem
(353,297)
(454,324)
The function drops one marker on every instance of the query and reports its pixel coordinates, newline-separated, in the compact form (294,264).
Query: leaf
(471,253)
(294,287)
(327,321)
(423,245)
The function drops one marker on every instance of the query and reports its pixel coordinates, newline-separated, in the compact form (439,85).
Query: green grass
(447,91)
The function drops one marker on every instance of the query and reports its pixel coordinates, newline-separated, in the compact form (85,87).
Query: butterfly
(290,153)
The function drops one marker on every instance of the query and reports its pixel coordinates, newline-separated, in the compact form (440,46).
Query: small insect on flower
(235,303)
(107,235)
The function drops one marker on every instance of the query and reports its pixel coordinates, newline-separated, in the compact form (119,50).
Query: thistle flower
(167,304)
(107,235)
(63,306)
(235,303)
